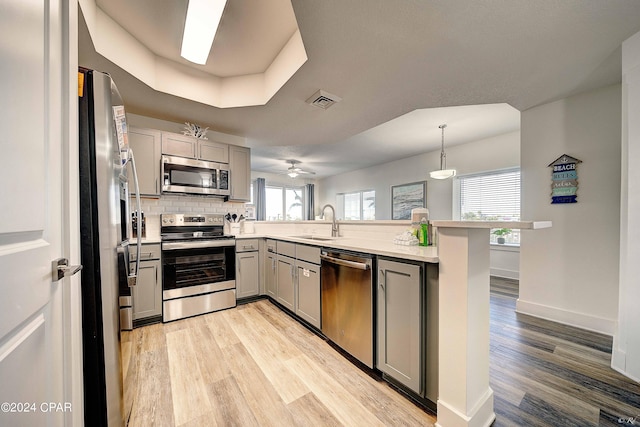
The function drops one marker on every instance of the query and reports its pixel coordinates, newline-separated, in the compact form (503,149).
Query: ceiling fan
(293,170)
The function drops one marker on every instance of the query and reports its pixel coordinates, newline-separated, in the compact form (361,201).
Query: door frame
(71,291)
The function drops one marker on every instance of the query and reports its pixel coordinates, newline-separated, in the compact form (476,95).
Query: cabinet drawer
(286,248)
(147,252)
(246,245)
(308,253)
(271,245)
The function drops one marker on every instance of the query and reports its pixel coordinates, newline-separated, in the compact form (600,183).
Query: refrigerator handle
(132,278)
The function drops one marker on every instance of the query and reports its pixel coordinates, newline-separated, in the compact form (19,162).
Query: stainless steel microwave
(190,176)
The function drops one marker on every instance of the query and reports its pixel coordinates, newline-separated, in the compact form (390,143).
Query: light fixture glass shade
(442,173)
(292,174)
(203,18)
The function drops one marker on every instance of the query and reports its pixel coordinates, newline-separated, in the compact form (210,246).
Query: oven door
(194,268)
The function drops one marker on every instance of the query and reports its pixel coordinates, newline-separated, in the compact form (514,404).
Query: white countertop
(370,246)
(518,225)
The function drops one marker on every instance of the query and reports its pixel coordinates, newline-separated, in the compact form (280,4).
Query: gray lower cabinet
(286,285)
(247,268)
(147,294)
(271,274)
(308,295)
(400,329)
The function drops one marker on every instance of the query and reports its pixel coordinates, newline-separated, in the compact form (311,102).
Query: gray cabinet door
(247,284)
(147,294)
(212,151)
(178,145)
(308,295)
(399,328)
(286,288)
(145,144)
(240,169)
(271,276)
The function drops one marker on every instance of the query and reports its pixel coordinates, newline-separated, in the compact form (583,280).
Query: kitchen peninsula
(464,397)
(461,266)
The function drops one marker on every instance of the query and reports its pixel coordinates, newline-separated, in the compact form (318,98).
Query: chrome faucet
(334,225)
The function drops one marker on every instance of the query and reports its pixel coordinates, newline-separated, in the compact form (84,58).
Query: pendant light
(443,172)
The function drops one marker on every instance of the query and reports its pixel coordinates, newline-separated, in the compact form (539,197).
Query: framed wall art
(405,197)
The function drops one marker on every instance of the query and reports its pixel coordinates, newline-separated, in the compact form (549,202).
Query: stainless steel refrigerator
(105,229)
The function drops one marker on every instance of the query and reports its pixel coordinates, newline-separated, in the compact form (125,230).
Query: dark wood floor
(547,374)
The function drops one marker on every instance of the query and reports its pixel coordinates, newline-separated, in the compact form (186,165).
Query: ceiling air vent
(322,99)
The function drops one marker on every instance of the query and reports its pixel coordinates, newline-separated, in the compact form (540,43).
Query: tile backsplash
(190,204)
(152,208)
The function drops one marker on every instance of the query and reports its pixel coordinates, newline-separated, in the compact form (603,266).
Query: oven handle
(173,246)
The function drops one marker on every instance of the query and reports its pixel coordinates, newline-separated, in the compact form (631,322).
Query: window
(284,203)
(491,196)
(357,205)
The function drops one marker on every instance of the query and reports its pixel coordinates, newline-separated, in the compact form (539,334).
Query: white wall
(488,154)
(499,152)
(569,273)
(626,341)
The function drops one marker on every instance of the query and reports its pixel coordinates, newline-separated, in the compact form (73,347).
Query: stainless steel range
(198,265)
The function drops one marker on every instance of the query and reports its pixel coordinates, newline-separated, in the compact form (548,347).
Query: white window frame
(514,238)
(284,189)
(340,204)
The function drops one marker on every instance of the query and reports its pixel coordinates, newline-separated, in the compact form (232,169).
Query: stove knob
(210,219)
(171,221)
(164,220)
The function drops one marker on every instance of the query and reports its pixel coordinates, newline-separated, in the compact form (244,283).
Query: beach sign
(564,180)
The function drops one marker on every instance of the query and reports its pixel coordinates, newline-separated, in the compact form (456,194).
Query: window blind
(490,196)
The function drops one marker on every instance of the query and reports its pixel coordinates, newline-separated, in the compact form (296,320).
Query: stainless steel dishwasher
(347,302)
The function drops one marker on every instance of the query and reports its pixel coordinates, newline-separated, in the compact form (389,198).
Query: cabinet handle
(382,280)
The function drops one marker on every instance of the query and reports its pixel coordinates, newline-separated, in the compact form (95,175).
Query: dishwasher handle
(345,263)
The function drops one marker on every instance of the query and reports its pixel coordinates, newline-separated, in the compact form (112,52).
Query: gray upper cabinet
(400,325)
(240,166)
(175,144)
(146,147)
(212,151)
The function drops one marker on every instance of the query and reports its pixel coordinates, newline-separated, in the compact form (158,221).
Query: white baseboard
(501,272)
(571,318)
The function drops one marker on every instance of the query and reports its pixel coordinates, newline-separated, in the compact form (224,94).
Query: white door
(37,344)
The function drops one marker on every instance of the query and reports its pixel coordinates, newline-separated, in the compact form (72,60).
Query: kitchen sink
(314,237)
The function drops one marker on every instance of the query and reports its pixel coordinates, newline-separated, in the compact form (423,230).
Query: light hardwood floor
(255,365)
(251,366)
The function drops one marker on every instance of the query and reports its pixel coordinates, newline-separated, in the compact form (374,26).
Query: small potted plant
(501,233)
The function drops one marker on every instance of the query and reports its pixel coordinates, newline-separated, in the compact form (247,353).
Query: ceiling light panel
(201,24)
